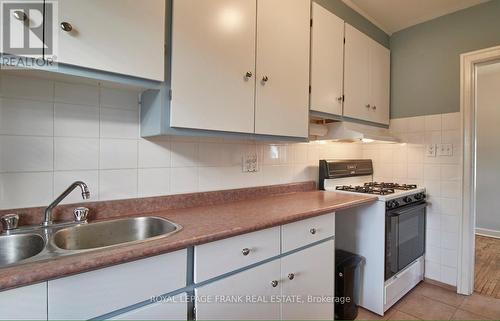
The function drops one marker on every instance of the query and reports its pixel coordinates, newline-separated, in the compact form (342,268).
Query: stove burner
(366,189)
(404,187)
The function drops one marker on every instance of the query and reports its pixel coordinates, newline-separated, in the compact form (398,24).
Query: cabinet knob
(274,283)
(368,106)
(245,251)
(339,99)
(66,26)
(265,79)
(248,74)
(291,276)
(20,15)
(312,231)
(374,107)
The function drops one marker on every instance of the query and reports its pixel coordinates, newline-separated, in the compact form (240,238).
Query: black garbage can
(347,284)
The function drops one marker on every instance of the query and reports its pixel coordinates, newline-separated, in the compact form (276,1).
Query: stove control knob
(419,196)
(407,199)
(392,204)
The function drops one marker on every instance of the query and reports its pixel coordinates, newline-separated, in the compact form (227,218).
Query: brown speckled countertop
(201,224)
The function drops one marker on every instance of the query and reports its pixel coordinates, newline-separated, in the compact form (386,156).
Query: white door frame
(468,80)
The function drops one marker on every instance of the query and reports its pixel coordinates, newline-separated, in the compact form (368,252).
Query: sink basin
(15,248)
(113,232)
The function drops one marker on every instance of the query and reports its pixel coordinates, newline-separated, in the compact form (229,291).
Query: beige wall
(488,149)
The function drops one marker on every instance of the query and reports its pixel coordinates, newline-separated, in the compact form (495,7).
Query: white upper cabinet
(282,93)
(357,74)
(327,61)
(119,36)
(366,78)
(213,65)
(237,65)
(380,64)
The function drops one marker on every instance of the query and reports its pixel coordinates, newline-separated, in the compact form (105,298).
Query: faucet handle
(9,222)
(81,214)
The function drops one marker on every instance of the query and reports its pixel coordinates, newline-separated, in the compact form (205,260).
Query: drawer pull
(274,283)
(312,231)
(245,251)
(291,276)
(66,26)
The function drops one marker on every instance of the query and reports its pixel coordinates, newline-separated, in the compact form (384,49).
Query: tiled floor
(431,302)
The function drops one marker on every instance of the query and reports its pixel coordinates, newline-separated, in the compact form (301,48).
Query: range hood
(351,132)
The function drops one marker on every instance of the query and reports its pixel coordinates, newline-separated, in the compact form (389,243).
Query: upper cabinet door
(213,65)
(357,74)
(120,36)
(380,64)
(327,61)
(282,89)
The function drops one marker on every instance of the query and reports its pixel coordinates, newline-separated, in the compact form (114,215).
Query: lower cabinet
(297,286)
(174,308)
(96,293)
(252,290)
(309,275)
(26,303)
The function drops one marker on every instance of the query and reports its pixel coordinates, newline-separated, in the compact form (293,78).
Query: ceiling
(395,15)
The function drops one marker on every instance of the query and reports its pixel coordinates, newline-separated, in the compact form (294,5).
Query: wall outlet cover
(250,163)
(431,150)
(445,149)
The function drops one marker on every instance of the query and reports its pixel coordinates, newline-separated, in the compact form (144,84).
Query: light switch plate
(431,150)
(250,163)
(445,149)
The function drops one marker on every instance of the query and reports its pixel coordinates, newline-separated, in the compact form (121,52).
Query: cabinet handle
(20,15)
(245,251)
(274,283)
(248,74)
(368,106)
(66,26)
(374,107)
(265,79)
(312,231)
(291,276)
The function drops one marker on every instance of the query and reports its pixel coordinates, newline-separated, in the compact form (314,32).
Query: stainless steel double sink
(39,243)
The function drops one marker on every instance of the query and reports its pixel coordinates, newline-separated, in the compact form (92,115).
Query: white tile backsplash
(118,153)
(76,153)
(26,117)
(153,181)
(117,184)
(26,88)
(119,123)
(76,120)
(26,153)
(441,176)
(62,179)
(76,94)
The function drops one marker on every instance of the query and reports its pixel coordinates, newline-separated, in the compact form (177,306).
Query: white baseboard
(486,232)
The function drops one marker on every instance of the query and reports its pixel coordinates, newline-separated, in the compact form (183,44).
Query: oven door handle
(408,210)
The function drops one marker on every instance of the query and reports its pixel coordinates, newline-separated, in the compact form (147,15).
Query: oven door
(405,237)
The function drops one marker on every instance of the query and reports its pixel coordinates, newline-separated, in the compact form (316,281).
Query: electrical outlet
(431,150)
(445,150)
(250,163)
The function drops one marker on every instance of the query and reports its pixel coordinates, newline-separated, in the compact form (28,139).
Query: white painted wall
(53,133)
(442,177)
(488,150)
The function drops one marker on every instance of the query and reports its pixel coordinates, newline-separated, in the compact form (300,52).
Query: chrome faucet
(48,211)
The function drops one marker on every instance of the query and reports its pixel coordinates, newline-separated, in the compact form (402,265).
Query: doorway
(479,257)
(487,248)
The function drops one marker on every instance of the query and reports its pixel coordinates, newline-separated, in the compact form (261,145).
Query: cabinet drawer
(216,258)
(301,233)
(176,309)
(95,293)
(403,282)
(25,303)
